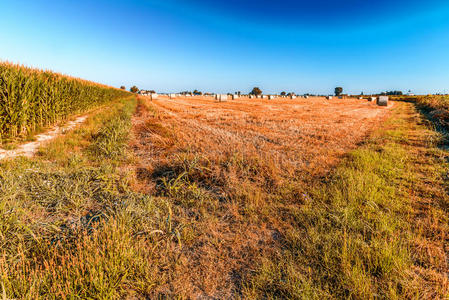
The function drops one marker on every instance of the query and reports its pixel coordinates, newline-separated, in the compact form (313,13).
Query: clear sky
(233,45)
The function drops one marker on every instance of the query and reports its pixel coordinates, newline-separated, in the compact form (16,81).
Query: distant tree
(256,91)
(393,93)
(283,93)
(196,92)
(361,93)
(152,92)
(123,87)
(239,93)
(338,91)
(134,89)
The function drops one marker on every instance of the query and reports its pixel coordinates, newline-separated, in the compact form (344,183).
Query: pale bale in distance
(382,101)
(154,96)
(271,97)
(222,98)
(234,97)
(372,98)
(329,97)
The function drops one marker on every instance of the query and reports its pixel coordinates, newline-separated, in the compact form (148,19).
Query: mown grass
(73,224)
(346,239)
(355,235)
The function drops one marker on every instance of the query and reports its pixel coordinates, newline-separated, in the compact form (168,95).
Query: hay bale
(234,97)
(329,97)
(382,101)
(271,97)
(222,98)
(154,96)
(172,96)
(370,99)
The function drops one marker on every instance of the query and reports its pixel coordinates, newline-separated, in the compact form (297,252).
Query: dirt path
(29,149)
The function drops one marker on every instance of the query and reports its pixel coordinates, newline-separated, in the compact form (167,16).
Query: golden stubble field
(231,169)
(307,135)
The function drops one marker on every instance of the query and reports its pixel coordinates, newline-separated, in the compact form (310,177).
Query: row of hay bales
(225,97)
(152,96)
(380,100)
(32,98)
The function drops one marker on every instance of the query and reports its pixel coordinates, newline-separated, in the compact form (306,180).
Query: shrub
(256,91)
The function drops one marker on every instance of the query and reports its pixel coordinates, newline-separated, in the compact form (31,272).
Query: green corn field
(32,98)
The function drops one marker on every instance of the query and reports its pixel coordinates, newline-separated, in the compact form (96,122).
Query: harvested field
(232,170)
(300,135)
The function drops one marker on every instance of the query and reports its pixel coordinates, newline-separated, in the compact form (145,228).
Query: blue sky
(233,45)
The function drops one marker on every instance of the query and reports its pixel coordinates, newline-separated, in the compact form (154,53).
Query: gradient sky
(233,45)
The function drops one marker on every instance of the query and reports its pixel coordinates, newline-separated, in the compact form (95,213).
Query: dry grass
(231,167)
(306,135)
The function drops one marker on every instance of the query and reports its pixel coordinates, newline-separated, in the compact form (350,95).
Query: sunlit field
(248,198)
